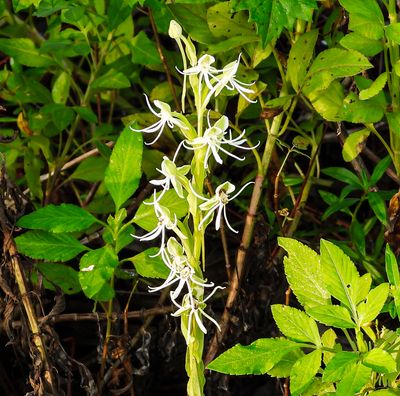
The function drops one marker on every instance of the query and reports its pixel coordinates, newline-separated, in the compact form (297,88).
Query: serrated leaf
(283,368)
(365,45)
(353,380)
(332,315)
(148,266)
(375,87)
(296,324)
(378,205)
(303,272)
(96,269)
(124,170)
(300,56)
(58,218)
(46,246)
(360,288)
(338,272)
(392,267)
(369,309)
(329,341)
(63,276)
(19,5)
(331,64)
(366,17)
(304,371)
(354,144)
(256,358)
(272,16)
(380,361)
(338,366)
(145,216)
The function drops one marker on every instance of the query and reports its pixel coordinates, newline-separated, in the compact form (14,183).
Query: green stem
(351,342)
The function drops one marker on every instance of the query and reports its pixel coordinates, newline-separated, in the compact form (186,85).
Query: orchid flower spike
(214,139)
(164,223)
(166,117)
(173,175)
(182,273)
(196,310)
(218,203)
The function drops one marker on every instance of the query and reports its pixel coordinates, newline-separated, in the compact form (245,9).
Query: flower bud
(175,30)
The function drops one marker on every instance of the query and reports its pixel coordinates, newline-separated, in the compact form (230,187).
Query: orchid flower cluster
(183,252)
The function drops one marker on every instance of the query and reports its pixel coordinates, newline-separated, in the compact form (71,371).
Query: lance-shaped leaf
(296,324)
(51,247)
(380,361)
(353,380)
(58,218)
(303,272)
(124,171)
(369,309)
(256,358)
(339,365)
(332,315)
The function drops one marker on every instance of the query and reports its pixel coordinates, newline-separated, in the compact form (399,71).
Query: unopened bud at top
(175,30)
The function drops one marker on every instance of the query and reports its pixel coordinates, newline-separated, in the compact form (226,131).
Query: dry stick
(9,246)
(163,60)
(73,162)
(94,316)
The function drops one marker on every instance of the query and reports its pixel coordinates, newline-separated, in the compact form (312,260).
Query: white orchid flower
(204,70)
(166,117)
(218,203)
(214,138)
(173,175)
(164,223)
(181,271)
(229,81)
(196,310)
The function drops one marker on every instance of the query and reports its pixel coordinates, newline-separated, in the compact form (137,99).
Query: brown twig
(163,60)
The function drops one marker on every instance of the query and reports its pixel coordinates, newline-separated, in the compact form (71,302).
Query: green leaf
(344,175)
(60,90)
(272,16)
(358,236)
(300,57)
(329,341)
(96,269)
(380,170)
(63,276)
(339,273)
(230,44)
(58,218)
(23,50)
(385,392)
(338,366)
(283,368)
(117,12)
(144,51)
(256,358)
(295,324)
(378,205)
(393,32)
(361,111)
(380,361)
(61,115)
(304,371)
(366,17)
(367,46)
(92,169)
(354,144)
(332,315)
(113,79)
(353,380)
(303,272)
(19,5)
(328,102)
(46,246)
(223,23)
(331,64)
(392,268)
(32,167)
(86,113)
(148,266)
(369,309)
(124,170)
(145,216)
(376,87)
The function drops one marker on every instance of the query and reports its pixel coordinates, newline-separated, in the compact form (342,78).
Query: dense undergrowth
(182,147)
